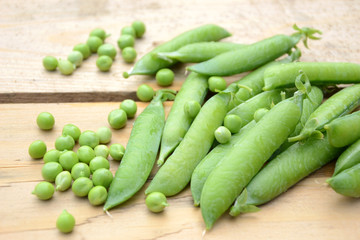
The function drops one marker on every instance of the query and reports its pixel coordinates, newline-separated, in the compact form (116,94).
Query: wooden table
(30,30)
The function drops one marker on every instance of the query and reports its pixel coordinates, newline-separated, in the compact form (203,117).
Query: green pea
(102,177)
(50,63)
(65,222)
(50,170)
(52,156)
(129,54)
(164,77)
(44,190)
(156,202)
(64,142)
(139,28)
(66,67)
(233,123)
(97,195)
(125,41)
(45,121)
(260,113)
(108,50)
(104,63)
(104,134)
(85,154)
(99,162)
(80,170)
(37,149)
(68,159)
(117,151)
(72,130)
(76,58)
(100,33)
(222,134)
(216,84)
(82,186)
(89,138)
(84,49)
(145,93)
(117,118)
(63,181)
(192,108)
(128,30)
(101,150)
(129,106)
(94,43)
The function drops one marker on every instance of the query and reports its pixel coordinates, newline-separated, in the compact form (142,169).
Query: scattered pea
(117,151)
(98,32)
(44,190)
(156,202)
(125,41)
(104,63)
(102,177)
(233,123)
(129,106)
(108,50)
(192,108)
(94,43)
(76,58)
(216,84)
(222,134)
(65,222)
(129,54)
(117,118)
(66,67)
(85,154)
(101,150)
(37,149)
(45,121)
(145,93)
(128,30)
(63,181)
(52,156)
(82,186)
(98,162)
(64,142)
(165,77)
(50,170)
(68,159)
(50,63)
(71,130)
(84,49)
(104,134)
(89,138)
(97,195)
(139,28)
(80,170)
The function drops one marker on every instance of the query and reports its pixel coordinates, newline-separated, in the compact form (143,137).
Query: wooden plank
(30,30)
(310,210)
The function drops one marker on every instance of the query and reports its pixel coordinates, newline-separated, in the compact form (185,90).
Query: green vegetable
(100,33)
(222,134)
(164,77)
(117,118)
(50,170)
(101,150)
(107,49)
(128,30)
(80,170)
(104,63)
(98,162)
(84,49)
(102,177)
(349,158)
(233,123)
(260,113)
(82,186)
(64,142)
(156,202)
(63,181)
(347,182)
(66,67)
(139,28)
(97,195)
(50,63)
(104,134)
(68,159)
(145,93)
(44,190)
(37,149)
(72,130)
(65,222)
(45,121)
(94,43)
(192,108)
(117,151)
(125,41)
(89,138)
(129,106)
(217,84)
(76,58)
(129,54)
(85,154)
(52,156)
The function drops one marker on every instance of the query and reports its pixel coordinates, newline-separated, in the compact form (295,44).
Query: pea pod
(319,73)
(178,122)
(252,56)
(337,105)
(199,52)
(349,158)
(345,130)
(140,153)
(212,159)
(347,182)
(285,170)
(150,64)
(246,158)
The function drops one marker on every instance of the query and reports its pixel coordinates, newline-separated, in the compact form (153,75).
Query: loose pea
(64,142)
(45,121)
(104,63)
(72,130)
(145,93)
(129,106)
(37,149)
(260,113)
(84,49)
(82,186)
(108,50)
(76,58)
(50,170)
(68,159)
(139,28)
(192,108)
(94,43)
(85,154)
(99,162)
(104,134)
(222,134)
(165,77)
(80,170)
(156,202)
(44,190)
(117,118)
(50,63)
(117,151)
(125,41)
(129,54)
(217,84)
(102,177)
(66,67)
(98,32)
(97,195)
(65,222)
(52,156)
(128,30)
(89,138)
(63,181)
(233,123)
(101,150)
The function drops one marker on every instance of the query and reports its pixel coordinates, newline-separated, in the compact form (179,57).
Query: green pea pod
(284,171)
(150,64)
(199,52)
(345,130)
(246,158)
(178,122)
(212,159)
(337,105)
(347,182)
(349,158)
(252,56)
(140,153)
(319,73)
